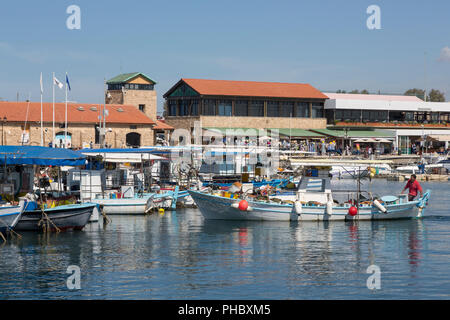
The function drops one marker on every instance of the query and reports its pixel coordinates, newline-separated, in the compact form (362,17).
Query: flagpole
(42,127)
(65,121)
(53,81)
(104,115)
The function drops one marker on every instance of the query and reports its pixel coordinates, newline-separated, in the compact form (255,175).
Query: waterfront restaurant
(410,120)
(223,104)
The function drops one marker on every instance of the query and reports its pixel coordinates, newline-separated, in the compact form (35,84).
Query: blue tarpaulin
(40,156)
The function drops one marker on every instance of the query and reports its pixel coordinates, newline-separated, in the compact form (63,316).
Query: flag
(42,87)
(67,81)
(58,83)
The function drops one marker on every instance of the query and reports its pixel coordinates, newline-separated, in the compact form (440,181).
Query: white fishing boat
(314,201)
(123,205)
(10,215)
(351,172)
(139,203)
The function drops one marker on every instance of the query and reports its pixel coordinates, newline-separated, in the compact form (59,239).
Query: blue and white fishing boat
(314,201)
(67,216)
(64,217)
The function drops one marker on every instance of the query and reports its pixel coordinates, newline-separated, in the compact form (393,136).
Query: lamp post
(423,141)
(3,123)
(345,139)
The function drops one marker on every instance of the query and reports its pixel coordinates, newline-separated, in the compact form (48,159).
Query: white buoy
(235,205)
(329,208)
(379,206)
(298,207)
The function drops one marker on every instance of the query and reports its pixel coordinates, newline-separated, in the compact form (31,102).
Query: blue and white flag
(58,83)
(67,81)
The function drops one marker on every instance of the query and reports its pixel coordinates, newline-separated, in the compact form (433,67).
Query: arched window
(63,141)
(133,139)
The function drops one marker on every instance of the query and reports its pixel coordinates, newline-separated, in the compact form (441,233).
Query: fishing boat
(139,203)
(314,201)
(10,215)
(64,217)
(18,166)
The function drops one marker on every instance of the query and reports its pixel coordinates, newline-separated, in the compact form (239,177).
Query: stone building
(126,126)
(133,89)
(244,104)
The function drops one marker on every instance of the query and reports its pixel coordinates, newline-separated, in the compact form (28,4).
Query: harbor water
(179,255)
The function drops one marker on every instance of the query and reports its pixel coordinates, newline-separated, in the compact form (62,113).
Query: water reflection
(180,256)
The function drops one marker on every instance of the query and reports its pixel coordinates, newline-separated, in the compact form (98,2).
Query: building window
(114,87)
(184,108)
(241,108)
(209,107)
(287,109)
(142,107)
(133,86)
(172,107)
(302,110)
(272,109)
(194,108)
(225,108)
(256,108)
(317,110)
(375,115)
(133,127)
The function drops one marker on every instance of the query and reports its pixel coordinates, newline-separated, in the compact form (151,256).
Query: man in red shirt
(413,186)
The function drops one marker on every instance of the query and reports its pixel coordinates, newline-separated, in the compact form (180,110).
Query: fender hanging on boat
(379,206)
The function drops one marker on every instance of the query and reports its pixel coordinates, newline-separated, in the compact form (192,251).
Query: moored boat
(64,217)
(313,201)
(10,215)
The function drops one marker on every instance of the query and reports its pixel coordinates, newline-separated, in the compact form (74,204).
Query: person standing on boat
(413,185)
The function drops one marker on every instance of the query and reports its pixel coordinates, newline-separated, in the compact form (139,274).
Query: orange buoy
(353,211)
(243,205)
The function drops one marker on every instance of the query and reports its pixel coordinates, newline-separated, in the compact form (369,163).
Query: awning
(440,137)
(356,133)
(125,157)
(298,133)
(238,132)
(35,155)
(372,140)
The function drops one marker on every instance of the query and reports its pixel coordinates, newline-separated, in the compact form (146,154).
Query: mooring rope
(106,219)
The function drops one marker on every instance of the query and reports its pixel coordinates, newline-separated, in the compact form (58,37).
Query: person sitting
(413,185)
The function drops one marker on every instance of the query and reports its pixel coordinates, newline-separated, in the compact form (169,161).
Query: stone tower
(133,89)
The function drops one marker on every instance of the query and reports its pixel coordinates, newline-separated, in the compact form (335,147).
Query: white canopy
(126,157)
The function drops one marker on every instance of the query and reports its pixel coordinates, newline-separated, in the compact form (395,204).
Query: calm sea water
(181,256)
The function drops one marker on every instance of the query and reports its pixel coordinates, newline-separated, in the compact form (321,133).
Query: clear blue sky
(324,43)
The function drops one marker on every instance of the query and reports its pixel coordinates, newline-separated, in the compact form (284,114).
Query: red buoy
(243,205)
(353,211)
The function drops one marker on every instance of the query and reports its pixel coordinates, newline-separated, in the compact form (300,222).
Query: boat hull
(220,208)
(64,217)
(9,217)
(123,206)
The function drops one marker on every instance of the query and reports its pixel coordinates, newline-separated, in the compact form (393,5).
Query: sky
(324,43)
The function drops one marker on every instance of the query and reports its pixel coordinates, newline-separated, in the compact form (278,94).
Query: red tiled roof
(162,125)
(254,89)
(17,111)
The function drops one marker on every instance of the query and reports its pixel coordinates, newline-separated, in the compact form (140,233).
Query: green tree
(354,91)
(364,91)
(340,91)
(436,96)
(415,92)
